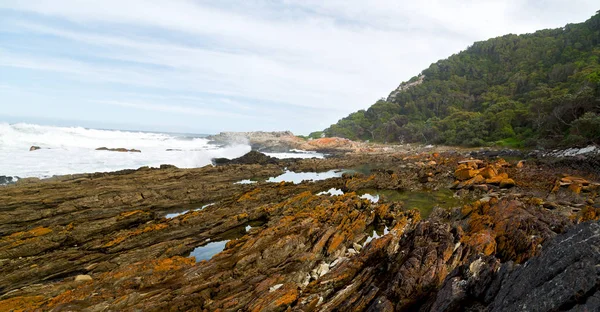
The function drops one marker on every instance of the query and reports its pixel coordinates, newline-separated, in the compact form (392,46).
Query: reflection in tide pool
(247,181)
(424,201)
(370,197)
(175,214)
(332,191)
(207,251)
(298,177)
(297,154)
(376,235)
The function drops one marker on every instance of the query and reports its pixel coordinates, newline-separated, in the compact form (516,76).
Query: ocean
(70,150)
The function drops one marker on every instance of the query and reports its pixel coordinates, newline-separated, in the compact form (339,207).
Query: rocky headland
(284,141)
(500,234)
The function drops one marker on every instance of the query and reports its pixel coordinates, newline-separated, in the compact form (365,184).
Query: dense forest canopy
(540,89)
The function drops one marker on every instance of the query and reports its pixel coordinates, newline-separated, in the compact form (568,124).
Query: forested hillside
(539,89)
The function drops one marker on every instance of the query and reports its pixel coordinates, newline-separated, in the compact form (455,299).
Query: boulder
(34,148)
(489,172)
(83,278)
(465,174)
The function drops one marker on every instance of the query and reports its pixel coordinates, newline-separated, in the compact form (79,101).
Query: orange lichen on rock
(249,195)
(471,173)
(21,304)
(358,182)
(336,241)
(489,172)
(278,300)
(288,298)
(130,213)
(588,213)
(149,228)
(465,174)
(174,263)
(331,143)
(38,231)
(508,229)
(68,296)
(483,242)
(574,184)
(119,283)
(575,188)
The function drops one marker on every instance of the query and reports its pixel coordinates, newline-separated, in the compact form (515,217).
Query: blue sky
(210,66)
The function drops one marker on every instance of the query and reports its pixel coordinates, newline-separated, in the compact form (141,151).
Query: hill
(539,89)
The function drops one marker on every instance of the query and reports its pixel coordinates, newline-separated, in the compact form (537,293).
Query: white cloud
(337,55)
(170,108)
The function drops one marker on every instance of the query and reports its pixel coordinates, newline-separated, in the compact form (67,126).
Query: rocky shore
(502,235)
(285,141)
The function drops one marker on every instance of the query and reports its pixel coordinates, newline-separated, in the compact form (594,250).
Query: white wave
(68,150)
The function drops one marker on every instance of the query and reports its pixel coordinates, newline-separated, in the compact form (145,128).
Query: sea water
(70,150)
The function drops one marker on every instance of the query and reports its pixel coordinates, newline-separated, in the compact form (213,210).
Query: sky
(211,66)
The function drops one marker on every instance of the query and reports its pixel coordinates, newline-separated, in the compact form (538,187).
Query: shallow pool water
(424,201)
(206,252)
(246,181)
(178,213)
(377,233)
(298,177)
(332,192)
(372,198)
(297,154)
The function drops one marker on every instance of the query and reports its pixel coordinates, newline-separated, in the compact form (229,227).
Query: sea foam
(69,150)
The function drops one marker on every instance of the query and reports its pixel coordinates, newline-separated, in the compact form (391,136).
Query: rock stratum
(106,241)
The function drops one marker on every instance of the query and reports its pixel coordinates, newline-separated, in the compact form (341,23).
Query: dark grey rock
(4,180)
(564,277)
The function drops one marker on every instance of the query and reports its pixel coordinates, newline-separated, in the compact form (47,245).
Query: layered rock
(102,242)
(564,277)
(476,173)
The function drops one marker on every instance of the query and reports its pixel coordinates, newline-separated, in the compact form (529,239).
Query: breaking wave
(68,150)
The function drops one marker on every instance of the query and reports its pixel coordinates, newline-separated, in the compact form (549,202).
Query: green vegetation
(540,89)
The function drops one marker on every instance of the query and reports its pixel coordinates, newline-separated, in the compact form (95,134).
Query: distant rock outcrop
(119,149)
(276,141)
(251,158)
(34,148)
(284,141)
(405,86)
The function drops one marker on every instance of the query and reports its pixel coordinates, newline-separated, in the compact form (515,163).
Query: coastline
(102,239)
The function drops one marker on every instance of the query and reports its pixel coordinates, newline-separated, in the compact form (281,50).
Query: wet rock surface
(102,242)
(4,180)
